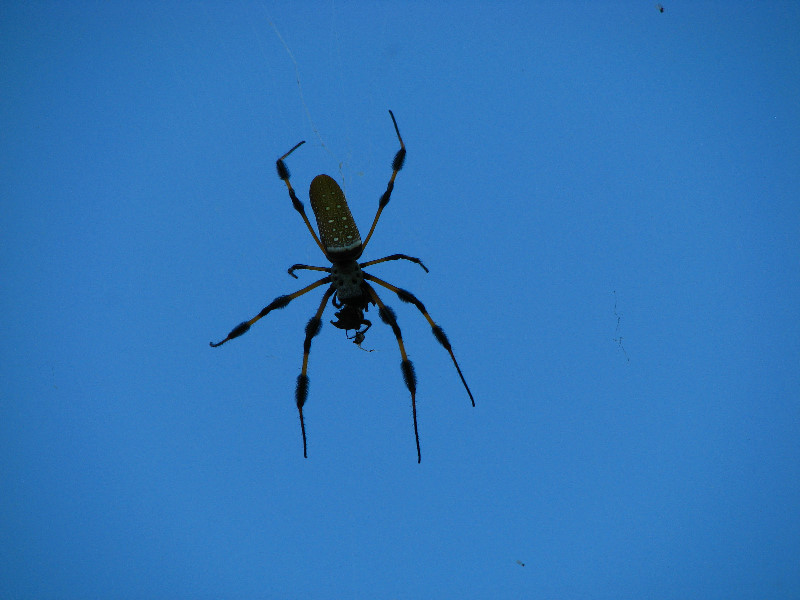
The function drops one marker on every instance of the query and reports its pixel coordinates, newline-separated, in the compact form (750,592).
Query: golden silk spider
(349,289)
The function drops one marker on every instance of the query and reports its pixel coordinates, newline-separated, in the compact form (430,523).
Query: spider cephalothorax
(348,279)
(348,287)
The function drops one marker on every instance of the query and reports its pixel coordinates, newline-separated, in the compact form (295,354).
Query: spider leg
(279,302)
(387,316)
(397,164)
(394,257)
(438,333)
(294,268)
(283,173)
(301,392)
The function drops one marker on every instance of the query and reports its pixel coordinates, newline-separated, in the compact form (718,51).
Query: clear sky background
(607,199)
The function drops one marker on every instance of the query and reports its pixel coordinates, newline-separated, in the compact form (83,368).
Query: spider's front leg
(437,331)
(406,366)
(301,392)
(279,302)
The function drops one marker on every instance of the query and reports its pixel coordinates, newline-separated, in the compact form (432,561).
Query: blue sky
(606,198)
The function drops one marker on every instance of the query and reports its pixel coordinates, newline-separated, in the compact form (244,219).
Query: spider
(348,289)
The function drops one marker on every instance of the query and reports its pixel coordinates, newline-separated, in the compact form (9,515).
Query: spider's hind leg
(283,173)
(294,268)
(397,164)
(394,257)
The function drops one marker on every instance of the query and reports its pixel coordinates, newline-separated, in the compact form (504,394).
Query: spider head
(351,316)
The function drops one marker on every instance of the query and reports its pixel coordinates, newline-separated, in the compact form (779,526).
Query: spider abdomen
(337,229)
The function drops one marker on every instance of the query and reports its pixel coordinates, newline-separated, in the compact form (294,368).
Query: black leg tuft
(313,328)
(409,376)
(439,335)
(399,159)
(301,393)
(283,171)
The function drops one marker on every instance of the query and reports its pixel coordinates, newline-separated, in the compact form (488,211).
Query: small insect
(349,289)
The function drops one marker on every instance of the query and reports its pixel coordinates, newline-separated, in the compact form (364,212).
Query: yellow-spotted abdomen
(337,229)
